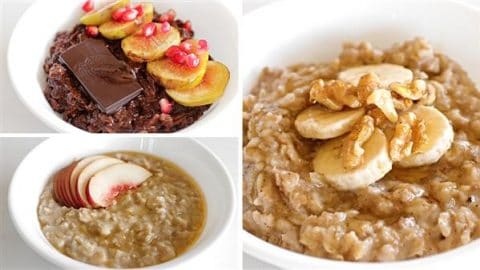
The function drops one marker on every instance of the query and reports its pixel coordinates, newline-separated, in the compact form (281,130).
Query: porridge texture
(149,225)
(409,213)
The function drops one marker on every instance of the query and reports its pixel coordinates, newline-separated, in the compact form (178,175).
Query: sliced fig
(141,48)
(104,14)
(208,91)
(178,76)
(114,30)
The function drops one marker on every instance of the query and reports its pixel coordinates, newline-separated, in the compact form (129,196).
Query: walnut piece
(383,100)
(352,146)
(409,136)
(366,85)
(413,91)
(334,94)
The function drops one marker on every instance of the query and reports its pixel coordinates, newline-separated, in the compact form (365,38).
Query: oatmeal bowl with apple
(126,203)
(122,66)
(366,157)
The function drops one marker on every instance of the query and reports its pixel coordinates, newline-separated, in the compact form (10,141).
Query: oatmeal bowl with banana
(371,156)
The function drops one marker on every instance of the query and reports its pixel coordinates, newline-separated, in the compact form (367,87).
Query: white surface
(219,121)
(15,254)
(324,28)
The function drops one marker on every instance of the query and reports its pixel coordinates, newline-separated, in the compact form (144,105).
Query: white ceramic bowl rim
(47,251)
(53,120)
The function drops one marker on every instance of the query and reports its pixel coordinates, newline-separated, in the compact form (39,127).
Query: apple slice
(89,171)
(61,180)
(210,90)
(74,177)
(106,184)
(57,191)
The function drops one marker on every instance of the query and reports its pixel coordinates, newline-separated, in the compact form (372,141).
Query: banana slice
(376,163)
(317,123)
(387,73)
(439,134)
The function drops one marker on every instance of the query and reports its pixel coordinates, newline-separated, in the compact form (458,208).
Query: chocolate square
(107,80)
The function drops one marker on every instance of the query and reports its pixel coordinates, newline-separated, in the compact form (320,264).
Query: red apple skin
(65,184)
(57,195)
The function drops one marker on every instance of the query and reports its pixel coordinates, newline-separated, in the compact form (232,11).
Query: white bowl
(43,161)
(34,33)
(312,31)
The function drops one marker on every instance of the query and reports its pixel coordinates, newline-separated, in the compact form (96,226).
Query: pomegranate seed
(92,31)
(163,18)
(186,47)
(118,14)
(139,8)
(192,60)
(172,51)
(165,106)
(88,6)
(203,44)
(165,27)
(129,15)
(149,29)
(187,25)
(171,13)
(179,57)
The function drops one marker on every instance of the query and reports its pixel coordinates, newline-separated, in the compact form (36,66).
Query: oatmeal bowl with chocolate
(362,154)
(122,66)
(121,203)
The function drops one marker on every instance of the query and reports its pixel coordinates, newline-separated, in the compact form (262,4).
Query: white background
(15,254)
(16,118)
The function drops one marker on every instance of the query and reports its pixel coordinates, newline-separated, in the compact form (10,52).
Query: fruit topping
(183,68)
(150,43)
(208,91)
(203,44)
(165,27)
(149,29)
(129,15)
(165,106)
(91,30)
(95,181)
(106,184)
(127,23)
(168,16)
(192,60)
(88,6)
(188,25)
(102,15)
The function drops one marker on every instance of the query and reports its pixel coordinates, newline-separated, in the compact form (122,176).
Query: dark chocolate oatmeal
(67,96)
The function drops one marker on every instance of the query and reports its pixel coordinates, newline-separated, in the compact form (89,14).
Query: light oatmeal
(409,212)
(151,224)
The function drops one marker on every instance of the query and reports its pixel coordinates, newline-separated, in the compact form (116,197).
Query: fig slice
(117,30)
(208,91)
(179,76)
(108,183)
(90,170)
(104,14)
(140,48)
